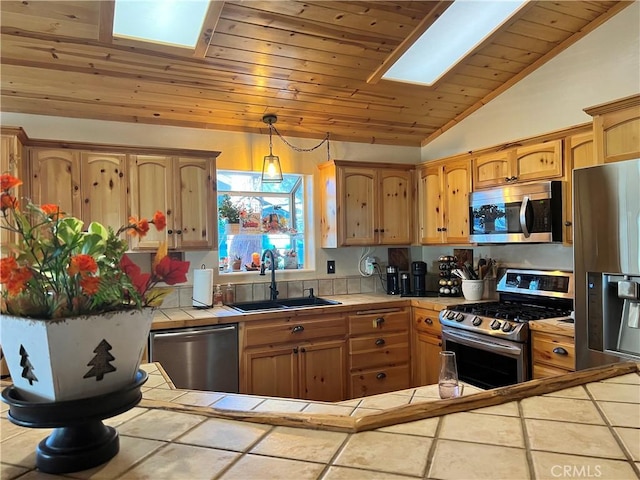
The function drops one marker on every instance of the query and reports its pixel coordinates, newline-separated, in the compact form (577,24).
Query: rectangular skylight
(176,22)
(462,26)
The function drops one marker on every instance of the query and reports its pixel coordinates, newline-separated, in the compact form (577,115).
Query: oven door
(485,361)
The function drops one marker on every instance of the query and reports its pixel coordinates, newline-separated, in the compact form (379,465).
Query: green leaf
(68,230)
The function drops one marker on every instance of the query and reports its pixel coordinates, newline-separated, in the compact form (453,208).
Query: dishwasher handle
(193,333)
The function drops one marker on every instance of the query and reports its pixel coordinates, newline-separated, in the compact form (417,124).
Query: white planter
(72,358)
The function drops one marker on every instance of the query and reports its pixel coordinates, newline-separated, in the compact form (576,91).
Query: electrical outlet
(331,266)
(369,265)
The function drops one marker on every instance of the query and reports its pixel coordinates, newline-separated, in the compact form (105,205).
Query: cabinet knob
(380,341)
(560,351)
(514,178)
(297,329)
(439,344)
(439,229)
(382,230)
(379,321)
(381,376)
(507,179)
(428,321)
(567,223)
(443,229)
(303,350)
(295,350)
(170,231)
(179,232)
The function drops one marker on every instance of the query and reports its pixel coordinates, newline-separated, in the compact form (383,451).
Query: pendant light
(271,170)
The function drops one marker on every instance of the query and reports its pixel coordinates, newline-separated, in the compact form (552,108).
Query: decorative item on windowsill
(74,307)
(271,168)
(290,260)
(236,264)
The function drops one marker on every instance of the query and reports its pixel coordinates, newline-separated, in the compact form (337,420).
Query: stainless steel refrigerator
(606,221)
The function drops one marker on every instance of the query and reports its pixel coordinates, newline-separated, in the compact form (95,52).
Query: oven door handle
(474,341)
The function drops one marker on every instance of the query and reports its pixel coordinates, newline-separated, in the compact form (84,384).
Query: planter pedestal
(79,440)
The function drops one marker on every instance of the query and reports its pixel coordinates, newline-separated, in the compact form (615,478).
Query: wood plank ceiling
(307,62)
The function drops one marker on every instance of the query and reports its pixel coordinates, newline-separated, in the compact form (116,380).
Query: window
(255,216)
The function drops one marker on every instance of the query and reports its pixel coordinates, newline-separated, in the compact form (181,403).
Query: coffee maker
(393,282)
(419,271)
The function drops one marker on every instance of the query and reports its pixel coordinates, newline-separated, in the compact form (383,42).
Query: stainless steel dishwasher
(201,358)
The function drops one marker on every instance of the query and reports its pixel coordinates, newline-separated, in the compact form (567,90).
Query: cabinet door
(193,223)
(323,371)
(426,359)
(104,189)
(579,152)
(538,162)
(396,207)
(271,372)
(618,135)
(457,182)
(357,206)
(11,163)
(492,169)
(430,208)
(152,181)
(55,178)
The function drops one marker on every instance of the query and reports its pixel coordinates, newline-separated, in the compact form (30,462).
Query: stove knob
(507,327)
(495,325)
(476,321)
(459,317)
(451,315)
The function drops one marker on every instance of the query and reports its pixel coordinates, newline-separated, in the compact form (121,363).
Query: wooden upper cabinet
(55,178)
(519,164)
(538,162)
(616,129)
(182,188)
(578,153)
(493,169)
(11,163)
(365,204)
(104,188)
(443,192)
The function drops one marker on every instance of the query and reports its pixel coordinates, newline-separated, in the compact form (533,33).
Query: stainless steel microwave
(529,212)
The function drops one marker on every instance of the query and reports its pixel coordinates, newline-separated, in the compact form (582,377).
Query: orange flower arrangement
(56,269)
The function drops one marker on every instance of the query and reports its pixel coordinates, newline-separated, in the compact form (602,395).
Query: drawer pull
(295,350)
(381,376)
(560,351)
(428,321)
(380,341)
(377,323)
(297,328)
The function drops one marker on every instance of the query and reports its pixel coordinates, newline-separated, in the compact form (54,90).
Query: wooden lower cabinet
(295,357)
(313,371)
(427,345)
(379,351)
(552,354)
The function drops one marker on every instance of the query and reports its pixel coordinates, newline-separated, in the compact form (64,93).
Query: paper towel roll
(202,288)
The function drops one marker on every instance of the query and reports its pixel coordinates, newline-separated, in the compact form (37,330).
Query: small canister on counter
(229,295)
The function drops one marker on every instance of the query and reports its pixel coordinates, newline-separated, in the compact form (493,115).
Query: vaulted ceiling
(314,64)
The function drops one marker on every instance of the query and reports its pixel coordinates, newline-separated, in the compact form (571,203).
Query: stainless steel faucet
(273,287)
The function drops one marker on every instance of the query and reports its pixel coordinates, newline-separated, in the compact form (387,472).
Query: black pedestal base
(80,440)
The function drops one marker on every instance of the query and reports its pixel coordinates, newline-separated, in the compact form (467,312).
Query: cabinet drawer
(374,350)
(380,380)
(555,350)
(427,321)
(293,330)
(544,371)
(378,322)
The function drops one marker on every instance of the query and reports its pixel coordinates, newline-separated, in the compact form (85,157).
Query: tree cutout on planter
(27,368)
(101,361)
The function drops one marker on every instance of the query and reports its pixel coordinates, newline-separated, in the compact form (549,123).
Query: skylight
(464,25)
(176,22)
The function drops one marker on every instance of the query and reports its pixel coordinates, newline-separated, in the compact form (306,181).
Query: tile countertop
(586,431)
(194,317)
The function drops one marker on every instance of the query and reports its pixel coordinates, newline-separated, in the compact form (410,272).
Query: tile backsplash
(246,292)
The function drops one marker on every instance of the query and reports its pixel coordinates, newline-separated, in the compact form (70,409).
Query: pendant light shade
(271,170)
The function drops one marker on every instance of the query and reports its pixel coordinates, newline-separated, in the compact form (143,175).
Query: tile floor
(590,431)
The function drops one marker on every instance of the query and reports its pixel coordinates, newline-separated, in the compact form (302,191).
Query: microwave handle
(523,217)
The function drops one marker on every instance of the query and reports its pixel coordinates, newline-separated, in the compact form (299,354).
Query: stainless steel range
(491,339)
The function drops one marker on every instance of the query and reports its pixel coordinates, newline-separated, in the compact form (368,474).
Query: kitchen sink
(283,304)
(306,302)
